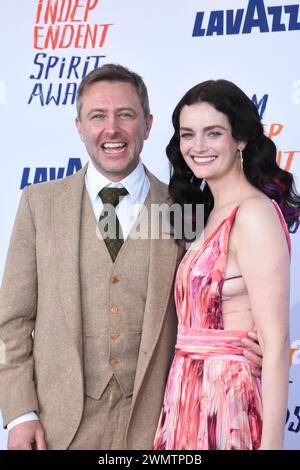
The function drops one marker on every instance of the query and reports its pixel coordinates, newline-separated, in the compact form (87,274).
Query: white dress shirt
(137,185)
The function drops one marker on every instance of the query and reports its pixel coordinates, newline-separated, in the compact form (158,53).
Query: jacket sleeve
(18,302)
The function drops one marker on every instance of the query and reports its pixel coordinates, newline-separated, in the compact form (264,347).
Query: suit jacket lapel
(162,266)
(67,201)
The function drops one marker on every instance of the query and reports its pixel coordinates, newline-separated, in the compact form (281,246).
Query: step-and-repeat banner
(47,46)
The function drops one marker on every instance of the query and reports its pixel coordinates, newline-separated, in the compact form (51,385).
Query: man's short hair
(114,73)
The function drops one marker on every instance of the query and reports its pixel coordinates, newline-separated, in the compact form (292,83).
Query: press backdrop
(47,46)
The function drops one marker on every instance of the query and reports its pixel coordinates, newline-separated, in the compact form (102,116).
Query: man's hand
(25,435)
(253,352)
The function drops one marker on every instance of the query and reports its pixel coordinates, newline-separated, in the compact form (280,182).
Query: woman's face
(206,141)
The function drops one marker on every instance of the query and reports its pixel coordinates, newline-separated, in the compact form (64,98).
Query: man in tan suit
(88,338)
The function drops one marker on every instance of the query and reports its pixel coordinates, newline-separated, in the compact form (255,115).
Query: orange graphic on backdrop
(63,24)
(285,163)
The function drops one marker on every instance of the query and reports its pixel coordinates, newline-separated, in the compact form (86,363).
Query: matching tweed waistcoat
(113,303)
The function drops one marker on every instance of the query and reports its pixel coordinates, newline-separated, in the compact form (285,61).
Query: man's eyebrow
(127,108)
(96,110)
(104,110)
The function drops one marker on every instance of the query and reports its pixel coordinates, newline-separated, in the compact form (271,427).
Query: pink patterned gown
(212,400)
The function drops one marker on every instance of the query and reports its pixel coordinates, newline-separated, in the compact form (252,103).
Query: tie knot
(112,195)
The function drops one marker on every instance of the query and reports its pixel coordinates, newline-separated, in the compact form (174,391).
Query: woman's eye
(186,135)
(214,134)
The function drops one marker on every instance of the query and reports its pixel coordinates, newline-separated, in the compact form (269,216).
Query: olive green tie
(109,224)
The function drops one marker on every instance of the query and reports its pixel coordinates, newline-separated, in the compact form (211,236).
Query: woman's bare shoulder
(257,216)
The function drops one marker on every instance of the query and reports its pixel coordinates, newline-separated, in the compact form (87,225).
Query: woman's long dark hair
(259,156)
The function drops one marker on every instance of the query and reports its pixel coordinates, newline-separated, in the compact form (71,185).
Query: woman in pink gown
(232,279)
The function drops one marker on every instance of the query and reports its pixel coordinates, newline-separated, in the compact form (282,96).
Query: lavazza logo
(257,16)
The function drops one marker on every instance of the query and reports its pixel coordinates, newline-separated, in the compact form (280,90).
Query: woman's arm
(263,258)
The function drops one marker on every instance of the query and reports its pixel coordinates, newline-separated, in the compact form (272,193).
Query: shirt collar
(134,182)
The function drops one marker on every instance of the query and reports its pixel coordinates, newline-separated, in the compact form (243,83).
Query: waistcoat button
(115,309)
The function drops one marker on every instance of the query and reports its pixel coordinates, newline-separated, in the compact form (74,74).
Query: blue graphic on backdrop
(261,104)
(242,21)
(43,174)
(60,68)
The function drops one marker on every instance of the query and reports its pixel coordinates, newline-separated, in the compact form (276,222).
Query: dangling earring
(203,184)
(241,158)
